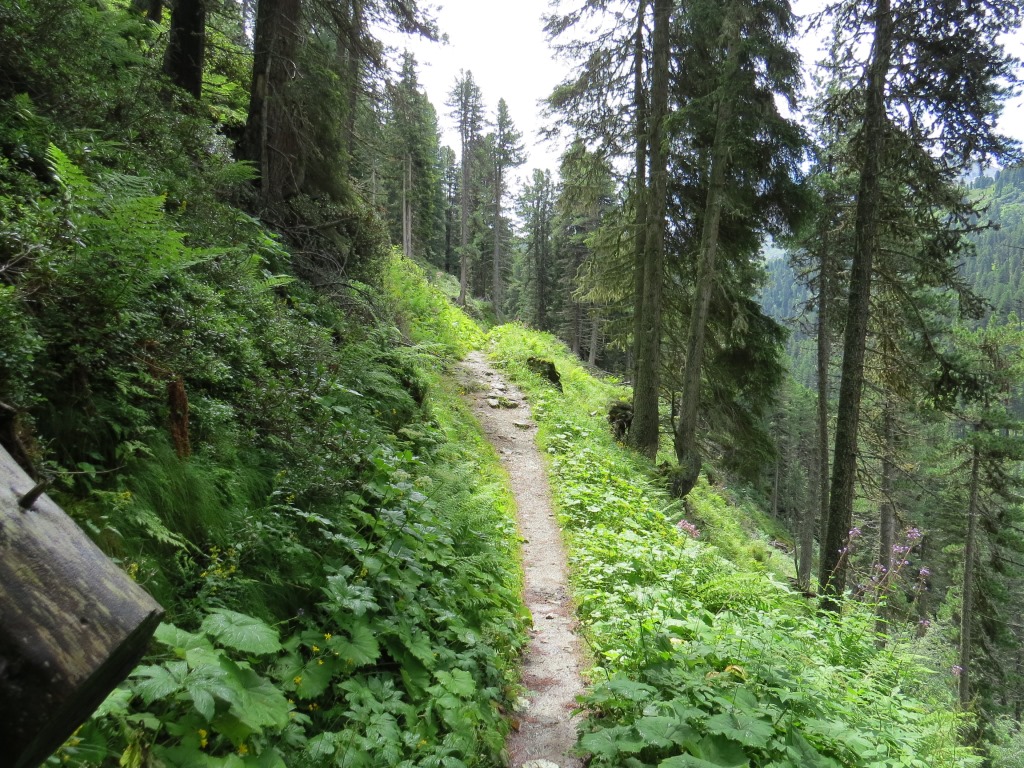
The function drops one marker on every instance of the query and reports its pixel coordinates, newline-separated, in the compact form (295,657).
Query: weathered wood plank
(72,624)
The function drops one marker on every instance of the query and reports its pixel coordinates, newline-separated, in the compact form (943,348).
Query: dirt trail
(551,669)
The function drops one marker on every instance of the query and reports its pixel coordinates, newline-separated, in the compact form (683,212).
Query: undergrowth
(703,655)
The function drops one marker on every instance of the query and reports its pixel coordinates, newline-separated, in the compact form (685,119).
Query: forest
(238,267)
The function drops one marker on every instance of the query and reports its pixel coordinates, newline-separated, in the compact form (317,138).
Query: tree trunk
(496,289)
(353,75)
(271,131)
(644,431)
(186,45)
(824,358)
(844,465)
(153,10)
(595,337)
(407,207)
(967,609)
(686,474)
(886,519)
(74,625)
(640,181)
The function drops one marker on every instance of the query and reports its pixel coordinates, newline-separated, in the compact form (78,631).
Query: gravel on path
(545,730)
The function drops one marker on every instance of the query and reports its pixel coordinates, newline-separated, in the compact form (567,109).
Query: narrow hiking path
(546,730)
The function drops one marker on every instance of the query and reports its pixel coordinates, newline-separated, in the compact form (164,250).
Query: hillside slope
(703,655)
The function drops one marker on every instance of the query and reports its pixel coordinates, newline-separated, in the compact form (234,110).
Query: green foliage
(373,612)
(702,657)
(426,317)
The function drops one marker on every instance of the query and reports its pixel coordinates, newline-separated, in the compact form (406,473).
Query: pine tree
(920,121)
(742,154)
(467,109)
(506,145)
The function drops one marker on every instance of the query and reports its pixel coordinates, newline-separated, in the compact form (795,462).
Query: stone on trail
(539,764)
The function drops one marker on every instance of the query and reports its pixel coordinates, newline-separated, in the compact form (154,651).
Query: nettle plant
(400,653)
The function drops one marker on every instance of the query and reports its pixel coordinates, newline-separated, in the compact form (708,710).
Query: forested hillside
(237,265)
(916,462)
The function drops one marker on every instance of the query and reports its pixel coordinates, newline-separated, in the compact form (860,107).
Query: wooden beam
(72,624)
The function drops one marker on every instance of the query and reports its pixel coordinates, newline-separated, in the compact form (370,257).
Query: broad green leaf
(627,689)
(740,727)
(802,751)
(179,640)
(241,632)
(458,682)
(261,704)
(117,703)
(662,731)
(159,682)
(609,742)
(689,761)
(314,678)
(361,646)
(724,752)
(202,699)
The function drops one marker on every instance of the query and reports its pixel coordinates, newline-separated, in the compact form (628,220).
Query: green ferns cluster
(702,656)
(334,550)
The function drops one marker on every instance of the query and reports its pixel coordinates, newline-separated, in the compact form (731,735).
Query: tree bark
(153,10)
(186,45)
(496,288)
(967,608)
(73,624)
(271,132)
(824,358)
(595,337)
(407,207)
(886,517)
(640,180)
(844,464)
(644,431)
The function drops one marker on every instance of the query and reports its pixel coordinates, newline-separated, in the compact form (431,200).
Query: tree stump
(72,624)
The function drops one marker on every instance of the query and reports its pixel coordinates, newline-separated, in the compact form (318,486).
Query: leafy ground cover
(703,656)
(337,555)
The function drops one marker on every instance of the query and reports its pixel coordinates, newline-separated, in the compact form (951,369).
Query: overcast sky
(503,43)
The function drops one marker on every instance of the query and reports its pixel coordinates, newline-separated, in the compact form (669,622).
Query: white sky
(502,42)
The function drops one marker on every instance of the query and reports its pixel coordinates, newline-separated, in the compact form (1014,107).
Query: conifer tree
(923,105)
(506,145)
(742,154)
(467,109)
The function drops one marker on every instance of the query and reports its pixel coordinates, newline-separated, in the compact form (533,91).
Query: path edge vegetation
(704,653)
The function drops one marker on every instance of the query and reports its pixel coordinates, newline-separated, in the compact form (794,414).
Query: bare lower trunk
(407,208)
(464,227)
(886,520)
(967,609)
(640,182)
(644,432)
(844,464)
(595,337)
(271,133)
(496,289)
(186,45)
(824,358)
